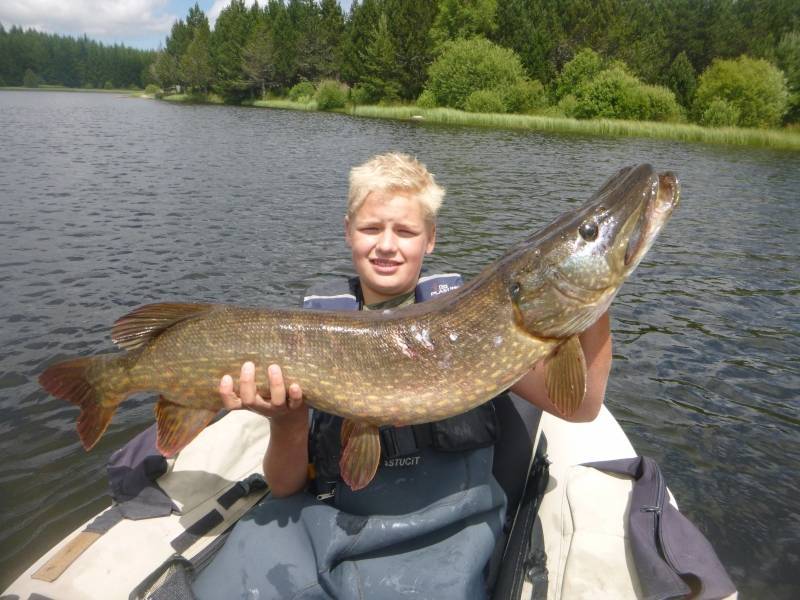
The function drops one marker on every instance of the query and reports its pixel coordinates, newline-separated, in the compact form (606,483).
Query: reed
(770,138)
(286,104)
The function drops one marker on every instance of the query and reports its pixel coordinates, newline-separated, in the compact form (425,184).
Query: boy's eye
(406,233)
(369,230)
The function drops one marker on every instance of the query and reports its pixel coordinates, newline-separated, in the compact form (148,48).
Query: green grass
(286,104)
(194,98)
(61,88)
(770,138)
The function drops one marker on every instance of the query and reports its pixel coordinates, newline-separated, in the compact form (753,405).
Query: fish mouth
(663,198)
(573,292)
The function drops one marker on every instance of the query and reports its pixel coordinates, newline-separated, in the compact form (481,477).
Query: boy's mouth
(383,264)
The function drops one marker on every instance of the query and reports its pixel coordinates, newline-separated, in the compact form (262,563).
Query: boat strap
(61,560)
(253,483)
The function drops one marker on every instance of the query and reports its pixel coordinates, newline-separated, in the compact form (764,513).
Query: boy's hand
(278,405)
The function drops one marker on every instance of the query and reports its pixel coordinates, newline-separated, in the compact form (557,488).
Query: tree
(165,70)
(534,30)
(754,87)
(379,78)
(228,40)
(682,79)
(258,58)
(788,55)
(283,44)
(195,64)
(331,32)
(411,21)
(359,30)
(463,19)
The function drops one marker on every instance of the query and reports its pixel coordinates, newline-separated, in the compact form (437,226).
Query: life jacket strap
(403,441)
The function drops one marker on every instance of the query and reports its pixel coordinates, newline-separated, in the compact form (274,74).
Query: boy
(390,226)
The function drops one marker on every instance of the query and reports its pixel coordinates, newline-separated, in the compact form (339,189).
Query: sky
(135,23)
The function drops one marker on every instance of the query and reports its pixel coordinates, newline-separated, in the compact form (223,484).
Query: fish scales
(410,364)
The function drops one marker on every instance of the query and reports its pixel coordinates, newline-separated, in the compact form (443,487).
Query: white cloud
(110,19)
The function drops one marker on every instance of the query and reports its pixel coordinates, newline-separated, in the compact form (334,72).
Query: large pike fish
(412,365)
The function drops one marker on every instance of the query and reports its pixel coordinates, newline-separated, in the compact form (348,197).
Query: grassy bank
(768,138)
(603,127)
(61,88)
(194,98)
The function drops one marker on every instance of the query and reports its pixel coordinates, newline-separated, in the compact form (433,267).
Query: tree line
(29,57)
(384,50)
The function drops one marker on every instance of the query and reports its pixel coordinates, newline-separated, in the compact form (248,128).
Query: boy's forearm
(286,460)
(596,344)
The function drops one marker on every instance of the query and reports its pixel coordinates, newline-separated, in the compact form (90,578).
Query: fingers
(229,398)
(279,400)
(295,396)
(277,388)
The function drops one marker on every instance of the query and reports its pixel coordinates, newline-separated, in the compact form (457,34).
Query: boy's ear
(431,239)
(347,239)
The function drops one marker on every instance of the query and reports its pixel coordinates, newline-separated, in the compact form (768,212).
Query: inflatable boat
(574,530)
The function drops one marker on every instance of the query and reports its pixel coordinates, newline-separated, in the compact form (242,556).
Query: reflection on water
(110,202)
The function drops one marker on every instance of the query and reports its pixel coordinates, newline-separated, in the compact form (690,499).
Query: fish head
(564,278)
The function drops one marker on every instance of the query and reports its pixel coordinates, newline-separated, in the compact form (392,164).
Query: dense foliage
(754,89)
(590,57)
(30,58)
(469,65)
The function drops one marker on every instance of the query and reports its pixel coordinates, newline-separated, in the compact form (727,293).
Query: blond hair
(394,172)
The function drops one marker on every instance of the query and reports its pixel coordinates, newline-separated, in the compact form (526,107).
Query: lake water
(109,202)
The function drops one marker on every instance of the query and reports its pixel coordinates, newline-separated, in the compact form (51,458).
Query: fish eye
(514,290)
(588,231)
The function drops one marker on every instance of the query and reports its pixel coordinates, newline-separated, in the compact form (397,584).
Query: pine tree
(228,39)
(195,64)
(379,59)
(258,58)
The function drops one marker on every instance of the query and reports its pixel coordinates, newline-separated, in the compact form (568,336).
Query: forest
(715,62)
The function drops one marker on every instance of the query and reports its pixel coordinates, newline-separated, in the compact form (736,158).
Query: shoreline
(776,139)
(681,132)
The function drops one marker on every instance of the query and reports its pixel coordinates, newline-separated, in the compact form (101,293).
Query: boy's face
(389,239)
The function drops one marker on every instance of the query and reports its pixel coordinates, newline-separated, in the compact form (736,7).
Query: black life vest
(477,428)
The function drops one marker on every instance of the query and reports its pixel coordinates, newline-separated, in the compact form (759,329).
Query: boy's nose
(387,241)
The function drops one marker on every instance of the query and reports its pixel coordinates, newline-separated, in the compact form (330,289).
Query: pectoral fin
(361,454)
(178,425)
(565,376)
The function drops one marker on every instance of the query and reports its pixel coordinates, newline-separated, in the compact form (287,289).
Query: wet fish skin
(417,364)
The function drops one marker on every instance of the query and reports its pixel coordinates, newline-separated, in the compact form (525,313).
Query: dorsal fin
(146,322)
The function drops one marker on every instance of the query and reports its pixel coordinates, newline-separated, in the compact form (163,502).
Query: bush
(108,85)
(568,105)
(525,96)
(152,89)
(720,113)
(302,92)
(30,79)
(616,94)
(359,95)
(485,101)
(331,94)
(584,66)
(754,87)
(467,65)
(426,100)
(660,104)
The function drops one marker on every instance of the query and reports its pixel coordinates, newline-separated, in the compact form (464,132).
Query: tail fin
(92,384)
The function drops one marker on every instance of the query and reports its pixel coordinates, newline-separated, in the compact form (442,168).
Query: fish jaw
(569,273)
